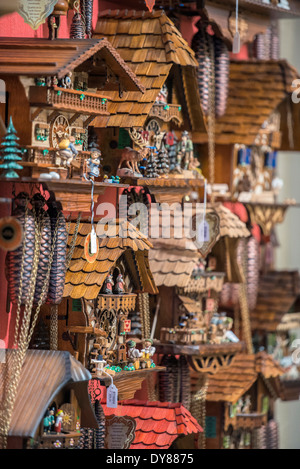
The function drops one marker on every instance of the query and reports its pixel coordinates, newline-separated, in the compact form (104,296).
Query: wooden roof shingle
(277,293)
(150,44)
(85,279)
(256,89)
(231,384)
(41,57)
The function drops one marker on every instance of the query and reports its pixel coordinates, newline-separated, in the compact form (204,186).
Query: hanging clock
(60,129)
(108,323)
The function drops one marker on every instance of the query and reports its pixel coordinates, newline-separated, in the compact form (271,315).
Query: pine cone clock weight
(43,230)
(213,58)
(14,258)
(77,27)
(86,8)
(59,237)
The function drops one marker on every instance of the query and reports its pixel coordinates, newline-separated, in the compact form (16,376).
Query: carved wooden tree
(10,152)
(151,171)
(163,161)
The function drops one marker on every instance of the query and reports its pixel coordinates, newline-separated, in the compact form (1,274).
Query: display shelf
(128,382)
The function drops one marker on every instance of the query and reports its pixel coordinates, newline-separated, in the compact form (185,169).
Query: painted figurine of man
(185,151)
(148,348)
(99,363)
(133,354)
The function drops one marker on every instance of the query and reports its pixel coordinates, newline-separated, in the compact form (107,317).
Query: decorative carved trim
(267,215)
(167,112)
(125,303)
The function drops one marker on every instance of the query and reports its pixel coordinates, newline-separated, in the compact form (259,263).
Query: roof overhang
(41,57)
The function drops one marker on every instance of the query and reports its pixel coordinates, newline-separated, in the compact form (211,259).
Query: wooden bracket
(88,121)
(52,116)
(36,113)
(74,117)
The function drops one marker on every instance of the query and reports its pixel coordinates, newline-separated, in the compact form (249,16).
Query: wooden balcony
(207,281)
(68,100)
(245,421)
(125,302)
(167,112)
(204,358)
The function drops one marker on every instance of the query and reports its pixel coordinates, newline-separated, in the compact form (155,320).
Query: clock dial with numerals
(60,129)
(108,323)
(153,126)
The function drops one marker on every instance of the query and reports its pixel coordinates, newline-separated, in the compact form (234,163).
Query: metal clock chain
(73,242)
(25,335)
(211,118)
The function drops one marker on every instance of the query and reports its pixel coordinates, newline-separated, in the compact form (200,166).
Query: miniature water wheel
(108,320)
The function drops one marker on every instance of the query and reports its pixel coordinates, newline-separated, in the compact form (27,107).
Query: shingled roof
(278,291)
(230,224)
(158,424)
(44,374)
(256,89)
(41,57)
(150,44)
(231,384)
(173,259)
(84,279)
(174,254)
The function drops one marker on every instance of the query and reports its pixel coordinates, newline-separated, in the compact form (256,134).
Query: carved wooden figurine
(119,286)
(99,365)
(107,288)
(58,421)
(67,151)
(132,158)
(147,353)
(133,354)
(185,152)
(94,164)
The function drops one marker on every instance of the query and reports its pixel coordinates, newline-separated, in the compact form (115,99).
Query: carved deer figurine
(133,157)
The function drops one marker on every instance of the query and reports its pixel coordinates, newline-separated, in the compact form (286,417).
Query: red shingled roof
(158,424)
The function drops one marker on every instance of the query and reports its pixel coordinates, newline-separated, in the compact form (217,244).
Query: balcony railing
(68,100)
(167,112)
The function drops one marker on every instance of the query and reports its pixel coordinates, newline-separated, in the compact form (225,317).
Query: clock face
(153,126)
(60,129)
(108,323)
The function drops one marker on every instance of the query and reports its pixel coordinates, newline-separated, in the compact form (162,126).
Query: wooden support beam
(36,113)
(52,116)
(74,117)
(88,121)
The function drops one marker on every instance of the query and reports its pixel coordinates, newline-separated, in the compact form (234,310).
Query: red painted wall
(13,25)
